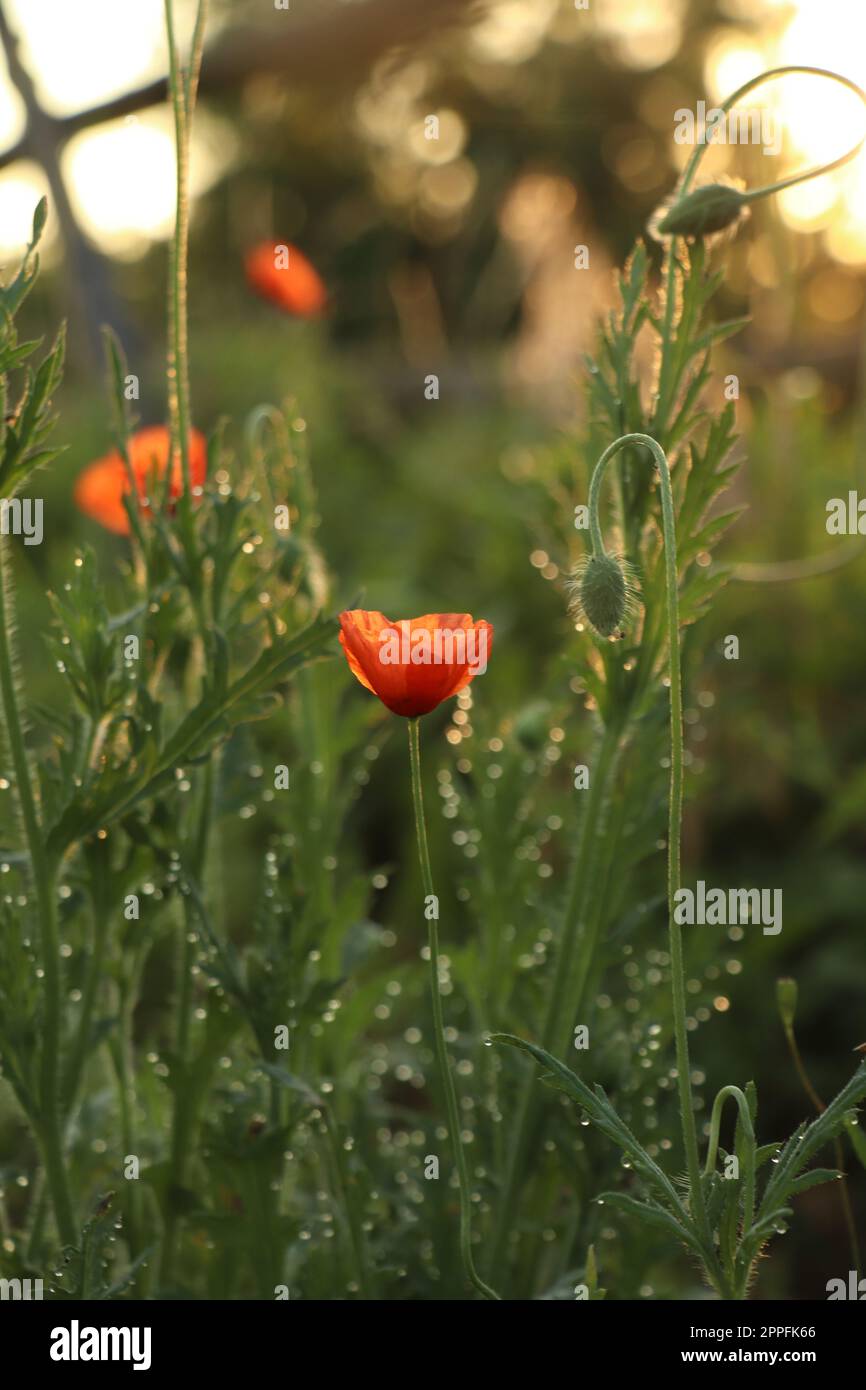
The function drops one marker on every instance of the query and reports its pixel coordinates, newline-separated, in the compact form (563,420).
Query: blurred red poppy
(100,489)
(283,274)
(416,663)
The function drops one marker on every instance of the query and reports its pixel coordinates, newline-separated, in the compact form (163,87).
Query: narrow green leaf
(600,1111)
(813,1178)
(652,1215)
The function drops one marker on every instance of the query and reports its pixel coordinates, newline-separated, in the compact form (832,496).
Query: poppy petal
(413,665)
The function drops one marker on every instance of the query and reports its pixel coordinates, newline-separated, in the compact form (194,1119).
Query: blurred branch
(334,49)
(88,284)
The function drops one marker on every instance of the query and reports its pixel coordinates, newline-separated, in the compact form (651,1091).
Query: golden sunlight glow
(820,120)
(731,61)
(11,109)
(86,52)
(514,30)
(122,178)
(642,33)
(120,174)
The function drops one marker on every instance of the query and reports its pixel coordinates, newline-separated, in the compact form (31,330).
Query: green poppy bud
(603,591)
(711,208)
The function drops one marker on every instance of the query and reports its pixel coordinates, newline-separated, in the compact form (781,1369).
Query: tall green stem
(92,981)
(438,1022)
(183,94)
(121,1049)
(43,872)
(184,86)
(675,798)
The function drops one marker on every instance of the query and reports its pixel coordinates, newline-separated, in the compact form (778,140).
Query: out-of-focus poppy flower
(416,663)
(283,274)
(100,489)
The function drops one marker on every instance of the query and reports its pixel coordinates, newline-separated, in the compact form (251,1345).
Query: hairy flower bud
(602,592)
(711,208)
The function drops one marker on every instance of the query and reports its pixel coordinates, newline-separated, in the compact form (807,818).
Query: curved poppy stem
(675,799)
(665,390)
(438,1022)
(716,1121)
(749,1157)
(789,182)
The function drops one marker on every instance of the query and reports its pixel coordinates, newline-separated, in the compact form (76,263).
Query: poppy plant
(412,666)
(100,489)
(282,274)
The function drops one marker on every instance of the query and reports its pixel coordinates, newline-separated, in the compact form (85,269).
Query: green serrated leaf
(118,791)
(652,1214)
(600,1111)
(813,1178)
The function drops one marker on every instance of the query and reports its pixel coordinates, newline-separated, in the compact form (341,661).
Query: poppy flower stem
(438,1023)
(675,798)
(184,85)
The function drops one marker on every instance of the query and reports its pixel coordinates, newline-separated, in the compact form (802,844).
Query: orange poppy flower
(100,489)
(415,664)
(283,274)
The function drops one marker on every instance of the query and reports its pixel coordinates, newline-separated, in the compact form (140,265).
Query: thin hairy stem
(813,173)
(438,1021)
(184,86)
